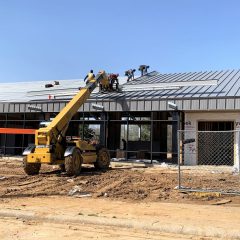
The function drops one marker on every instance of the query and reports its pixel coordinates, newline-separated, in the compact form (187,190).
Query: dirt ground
(132,196)
(121,182)
(22,230)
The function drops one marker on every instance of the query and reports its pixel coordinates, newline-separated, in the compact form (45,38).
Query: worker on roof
(143,69)
(130,74)
(113,78)
(90,76)
(104,83)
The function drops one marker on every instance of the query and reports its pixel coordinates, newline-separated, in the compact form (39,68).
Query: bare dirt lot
(122,182)
(124,202)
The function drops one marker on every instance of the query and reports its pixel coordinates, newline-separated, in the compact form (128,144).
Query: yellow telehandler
(52,147)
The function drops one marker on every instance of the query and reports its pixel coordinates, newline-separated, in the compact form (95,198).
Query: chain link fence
(209,161)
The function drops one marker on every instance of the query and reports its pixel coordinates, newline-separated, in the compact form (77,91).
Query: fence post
(238,155)
(179,159)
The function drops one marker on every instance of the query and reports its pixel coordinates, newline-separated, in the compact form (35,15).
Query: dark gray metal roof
(190,91)
(228,86)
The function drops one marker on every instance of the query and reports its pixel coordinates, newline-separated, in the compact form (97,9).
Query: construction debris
(105,194)
(70,180)
(224,201)
(205,194)
(83,195)
(235,171)
(76,191)
(49,85)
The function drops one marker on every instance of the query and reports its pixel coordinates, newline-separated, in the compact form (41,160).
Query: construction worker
(112,79)
(143,69)
(89,76)
(104,83)
(130,74)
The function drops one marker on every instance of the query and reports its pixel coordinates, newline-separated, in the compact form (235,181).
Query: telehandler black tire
(31,168)
(103,159)
(62,167)
(73,163)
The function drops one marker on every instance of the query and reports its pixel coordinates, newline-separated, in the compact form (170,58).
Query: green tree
(86,132)
(145,132)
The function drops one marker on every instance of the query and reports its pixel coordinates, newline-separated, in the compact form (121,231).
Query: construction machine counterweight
(51,146)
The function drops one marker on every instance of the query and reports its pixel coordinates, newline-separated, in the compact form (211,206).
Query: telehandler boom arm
(50,143)
(55,131)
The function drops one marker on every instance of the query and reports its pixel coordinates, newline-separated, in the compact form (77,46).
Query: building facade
(140,114)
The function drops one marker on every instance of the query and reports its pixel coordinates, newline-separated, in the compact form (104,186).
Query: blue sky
(63,39)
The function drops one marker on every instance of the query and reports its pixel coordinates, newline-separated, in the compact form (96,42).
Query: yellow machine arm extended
(51,146)
(53,135)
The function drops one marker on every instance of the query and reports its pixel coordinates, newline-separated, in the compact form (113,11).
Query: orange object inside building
(17,131)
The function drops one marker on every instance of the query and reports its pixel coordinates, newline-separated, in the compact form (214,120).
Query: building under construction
(142,119)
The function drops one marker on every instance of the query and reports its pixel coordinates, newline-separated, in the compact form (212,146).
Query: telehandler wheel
(73,163)
(31,168)
(62,167)
(103,159)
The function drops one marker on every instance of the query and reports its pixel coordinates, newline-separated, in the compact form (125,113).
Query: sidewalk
(202,220)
